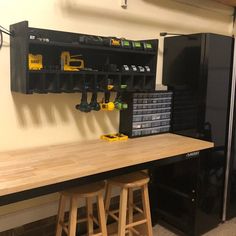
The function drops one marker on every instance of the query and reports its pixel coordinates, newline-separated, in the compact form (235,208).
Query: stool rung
(81,220)
(64,227)
(113,216)
(98,234)
(134,231)
(115,211)
(137,208)
(94,220)
(136,223)
(84,220)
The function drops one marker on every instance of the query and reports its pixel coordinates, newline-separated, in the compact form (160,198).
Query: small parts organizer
(147,113)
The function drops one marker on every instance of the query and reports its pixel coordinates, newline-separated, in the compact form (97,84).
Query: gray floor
(226,229)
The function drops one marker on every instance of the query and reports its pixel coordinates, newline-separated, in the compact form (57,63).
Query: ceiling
(228,2)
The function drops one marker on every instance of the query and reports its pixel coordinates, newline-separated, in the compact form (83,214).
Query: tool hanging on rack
(83,106)
(94,105)
(106,105)
(119,103)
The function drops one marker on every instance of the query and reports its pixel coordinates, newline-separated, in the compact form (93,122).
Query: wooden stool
(87,192)
(127,183)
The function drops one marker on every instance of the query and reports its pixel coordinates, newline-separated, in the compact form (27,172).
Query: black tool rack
(51,79)
(148,113)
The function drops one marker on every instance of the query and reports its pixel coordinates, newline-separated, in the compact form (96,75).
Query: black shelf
(51,79)
(84,72)
(92,47)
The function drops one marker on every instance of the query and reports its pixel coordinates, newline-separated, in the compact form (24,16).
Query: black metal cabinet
(51,79)
(182,193)
(197,68)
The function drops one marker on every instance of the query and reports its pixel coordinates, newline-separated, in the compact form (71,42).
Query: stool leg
(101,215)
(72,216)
(107,199)
(146,209)
(61,214)
(122,212)
(131,210)
(89,215)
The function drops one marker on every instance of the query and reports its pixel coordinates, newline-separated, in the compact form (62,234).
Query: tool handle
(107,97)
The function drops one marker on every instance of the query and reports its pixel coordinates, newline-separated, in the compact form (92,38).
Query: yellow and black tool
(71,62)
(35,62)
(94,105)
(106,105)
(115,42)
(114,137)
(119,103)
(83,106)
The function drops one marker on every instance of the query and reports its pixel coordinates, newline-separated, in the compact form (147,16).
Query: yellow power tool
(71,62)
(35,62)
(106,105)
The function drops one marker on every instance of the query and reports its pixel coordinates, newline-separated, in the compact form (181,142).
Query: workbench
(29,173)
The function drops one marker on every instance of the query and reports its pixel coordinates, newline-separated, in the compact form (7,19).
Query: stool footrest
(140,222)
(113,216)
(137,208)
(134,231)
(64,227)
(98,234)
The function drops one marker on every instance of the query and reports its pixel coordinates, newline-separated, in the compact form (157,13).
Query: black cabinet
(197,69)
(102,62)
(182,193)
(147,114)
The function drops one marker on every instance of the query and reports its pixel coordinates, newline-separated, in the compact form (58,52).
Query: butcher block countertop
(36,167)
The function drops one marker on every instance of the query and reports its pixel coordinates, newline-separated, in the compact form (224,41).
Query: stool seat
(128,183)
(85,191)
(132,180)
(88,192)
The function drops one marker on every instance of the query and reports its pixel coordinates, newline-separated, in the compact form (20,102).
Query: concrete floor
(226,229)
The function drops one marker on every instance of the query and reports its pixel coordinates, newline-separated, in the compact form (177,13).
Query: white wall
(36,120)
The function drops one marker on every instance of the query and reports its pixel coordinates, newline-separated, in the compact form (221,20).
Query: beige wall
(35,120)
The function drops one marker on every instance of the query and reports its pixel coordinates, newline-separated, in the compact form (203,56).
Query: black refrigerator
(198,69)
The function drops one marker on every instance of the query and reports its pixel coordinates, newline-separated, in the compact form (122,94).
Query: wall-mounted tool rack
(147,114)
(97,58)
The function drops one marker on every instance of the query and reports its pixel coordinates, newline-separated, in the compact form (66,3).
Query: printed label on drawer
(147,118)
(155,131)
(146,132)
(146,125)
(136,133)
(165,129)
(165,122)
(137,118)
(165,116)
(156,117)
(157,123)
(136,126)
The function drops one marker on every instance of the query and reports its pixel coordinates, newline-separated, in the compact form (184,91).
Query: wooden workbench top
(31,168)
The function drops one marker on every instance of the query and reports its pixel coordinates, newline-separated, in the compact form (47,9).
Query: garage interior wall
(37,120)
